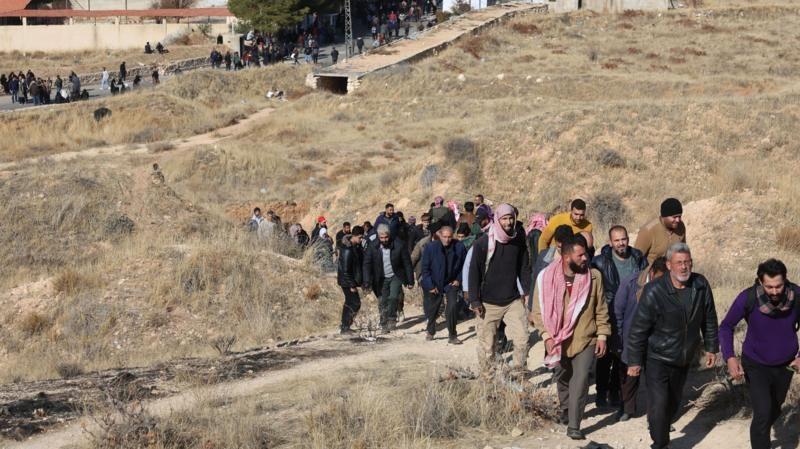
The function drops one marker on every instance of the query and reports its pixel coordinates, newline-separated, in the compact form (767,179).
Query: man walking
(104,79)
(123,72)
(770,356)
(442,262)
(387,267)
(346,229)
(657,236)
(390,219)
(616,261)
(575,218)
(499,276)
(572,317)
(349,275)
(674,314)
(625,303)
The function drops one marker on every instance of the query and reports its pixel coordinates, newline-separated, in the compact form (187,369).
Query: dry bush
(525,28)
(429,176)
(33,323)
(367,415)
(608,208)
(68,370)
(789,238)
(609,66)
(462,153)
(633,51)
(70,282)
(611,159)
(160,147)
(475,45)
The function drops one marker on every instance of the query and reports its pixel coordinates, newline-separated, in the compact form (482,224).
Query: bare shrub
(33,323)
(475,45)
(460,148)
(312,292)
(160,147)
(70,282)
(593,55)
(608,208)
(68,370)
(611,159)
(463,154)
(526,28)
(429,176)
(789,238)
(223,344)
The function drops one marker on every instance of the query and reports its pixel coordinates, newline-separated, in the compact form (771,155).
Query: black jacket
(498,282)
(349,271)
(604,262)
(373,264)
(661,329)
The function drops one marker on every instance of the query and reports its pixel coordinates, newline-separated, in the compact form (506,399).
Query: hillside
(105,266)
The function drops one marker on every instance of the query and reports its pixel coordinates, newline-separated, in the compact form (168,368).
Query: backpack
(750,304)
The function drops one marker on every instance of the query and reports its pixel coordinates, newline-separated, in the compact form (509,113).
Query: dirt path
(713,427)
(183,143)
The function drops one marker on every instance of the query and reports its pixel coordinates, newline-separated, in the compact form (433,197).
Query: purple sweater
(769,340)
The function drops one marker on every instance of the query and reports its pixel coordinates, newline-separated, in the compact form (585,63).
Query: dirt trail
(181,143)
(712,428)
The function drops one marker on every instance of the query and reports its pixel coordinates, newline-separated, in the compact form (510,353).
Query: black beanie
(670,207)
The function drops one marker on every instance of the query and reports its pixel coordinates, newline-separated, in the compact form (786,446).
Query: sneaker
(576,434)
(601,402)
(454,341)
(624,417)
(562,419)
(428,337)
(401,316)
(391,326)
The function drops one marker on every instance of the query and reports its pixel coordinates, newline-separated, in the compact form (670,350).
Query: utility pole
(348,30)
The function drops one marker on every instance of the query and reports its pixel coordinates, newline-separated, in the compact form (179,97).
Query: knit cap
(671,207)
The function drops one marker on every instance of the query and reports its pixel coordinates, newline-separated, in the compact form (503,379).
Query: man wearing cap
(657,236)
(575,218)
(321,223)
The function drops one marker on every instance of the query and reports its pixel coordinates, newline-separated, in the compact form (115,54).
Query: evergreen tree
(268,15)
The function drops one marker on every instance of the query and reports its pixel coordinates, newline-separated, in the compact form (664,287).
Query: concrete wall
(607,6)
(618,6)
(86,36)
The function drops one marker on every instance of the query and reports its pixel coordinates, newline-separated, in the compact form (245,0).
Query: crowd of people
(617,314)
(27,88)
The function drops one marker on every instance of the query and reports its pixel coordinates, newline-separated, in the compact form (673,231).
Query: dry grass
(194,103)
(339,411)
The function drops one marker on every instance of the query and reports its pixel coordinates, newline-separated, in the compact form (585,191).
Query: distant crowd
(620,313)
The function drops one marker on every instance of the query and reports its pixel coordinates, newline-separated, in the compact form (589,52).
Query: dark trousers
(607,376)
(432,303)
(665,384)
(572,382)
(390,295)
(768,387)
(352,304)
(629,387)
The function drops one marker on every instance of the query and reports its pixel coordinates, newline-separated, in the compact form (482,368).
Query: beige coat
(593,322)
